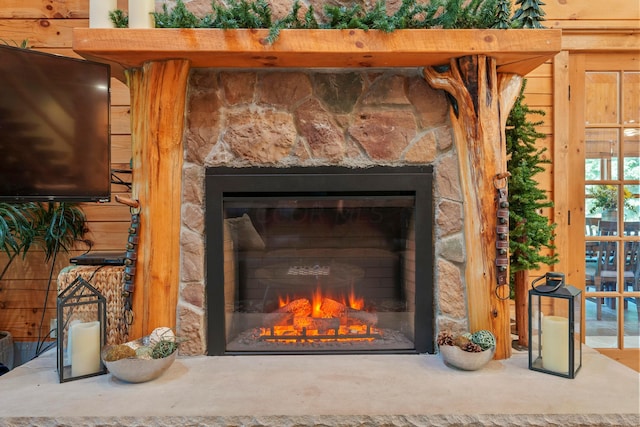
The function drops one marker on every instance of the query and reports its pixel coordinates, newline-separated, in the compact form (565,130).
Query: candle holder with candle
(81,315)
(555,337)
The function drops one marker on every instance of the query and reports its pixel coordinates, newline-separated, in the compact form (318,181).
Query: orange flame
(355,302)
(283,301)
(316,303)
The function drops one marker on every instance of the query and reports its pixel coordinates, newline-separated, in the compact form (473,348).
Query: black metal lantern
(555,337)
(81,311)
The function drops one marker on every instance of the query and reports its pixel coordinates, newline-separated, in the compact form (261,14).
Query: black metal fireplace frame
(223,181)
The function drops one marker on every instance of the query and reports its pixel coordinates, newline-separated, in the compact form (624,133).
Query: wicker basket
(109,281)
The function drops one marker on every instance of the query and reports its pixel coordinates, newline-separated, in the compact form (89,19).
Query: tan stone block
(450,293)
(449,217)
(448,177)
(387,90)
(324,139)
(260,137)
(431,105)
(422,151)
(190,331)
(238,88)
(283,90)
(384,135)
(193,293)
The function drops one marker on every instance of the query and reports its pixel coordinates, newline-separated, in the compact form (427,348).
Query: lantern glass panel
(577,332)
(555,334)
(81,331)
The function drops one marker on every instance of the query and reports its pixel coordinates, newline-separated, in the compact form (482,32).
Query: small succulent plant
(473,343)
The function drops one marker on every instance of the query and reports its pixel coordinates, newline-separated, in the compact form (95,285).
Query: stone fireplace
(309,122)
(239,114)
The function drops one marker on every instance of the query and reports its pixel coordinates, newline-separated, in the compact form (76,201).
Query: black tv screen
(54,128)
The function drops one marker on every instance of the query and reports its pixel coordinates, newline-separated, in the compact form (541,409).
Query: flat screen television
(54,128)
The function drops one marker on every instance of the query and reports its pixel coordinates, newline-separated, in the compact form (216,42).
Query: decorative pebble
(144,352)
(161,334)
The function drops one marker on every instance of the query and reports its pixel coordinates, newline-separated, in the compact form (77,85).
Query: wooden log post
(480,103)
(158,96)
(521,284)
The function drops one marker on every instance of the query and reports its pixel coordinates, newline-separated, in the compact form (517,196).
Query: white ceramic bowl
(456,357)
(134,370)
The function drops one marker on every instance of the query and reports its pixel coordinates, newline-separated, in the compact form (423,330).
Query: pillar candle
(85,348)
(67,351)
(141,13)
(555,344)
(99,13)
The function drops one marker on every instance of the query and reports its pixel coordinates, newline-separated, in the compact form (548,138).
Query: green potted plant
(604,199)
(50,226)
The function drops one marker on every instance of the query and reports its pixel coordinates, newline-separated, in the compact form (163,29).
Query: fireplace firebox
(319,260)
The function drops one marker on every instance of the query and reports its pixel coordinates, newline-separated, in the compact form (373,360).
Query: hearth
(319,260)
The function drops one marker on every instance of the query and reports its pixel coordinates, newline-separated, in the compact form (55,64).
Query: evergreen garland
(468,14)
(529,14)
(119,19)
(412,14)
(179,17)
(503,20)
(529,231)
(240,14)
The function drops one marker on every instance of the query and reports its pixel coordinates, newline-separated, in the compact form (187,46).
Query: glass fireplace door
(320,270)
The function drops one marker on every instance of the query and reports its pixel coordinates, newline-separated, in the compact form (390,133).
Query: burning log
(321,324)
(299,307)
(270,320)
(365,317)
(333,308)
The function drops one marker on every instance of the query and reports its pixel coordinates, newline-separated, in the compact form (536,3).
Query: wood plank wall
(46,25)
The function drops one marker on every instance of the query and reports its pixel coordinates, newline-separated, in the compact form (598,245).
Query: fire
(321,319)
(357,303)
(282,302)
(316,304)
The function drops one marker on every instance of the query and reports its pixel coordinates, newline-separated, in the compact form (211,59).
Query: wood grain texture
(517,51)
(158,96)
(483,99)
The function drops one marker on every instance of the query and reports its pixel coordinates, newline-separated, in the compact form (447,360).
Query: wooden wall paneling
(24,324)
(119,93)
(120,119)
(41,32)
(27,298)
(564,150)
(53,9)
(16,9)
(121,150)
(586,11)
(107,212)
(108,235)
(29,268)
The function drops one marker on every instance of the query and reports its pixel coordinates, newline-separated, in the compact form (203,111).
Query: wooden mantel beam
(156,62)
(515,51)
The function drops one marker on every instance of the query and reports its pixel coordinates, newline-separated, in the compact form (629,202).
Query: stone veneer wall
(309,118)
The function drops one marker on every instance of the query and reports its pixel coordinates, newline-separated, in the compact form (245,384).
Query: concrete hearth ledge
(345,390)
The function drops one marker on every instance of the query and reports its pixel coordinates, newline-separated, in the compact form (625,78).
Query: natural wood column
(158,96)
(482,99)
